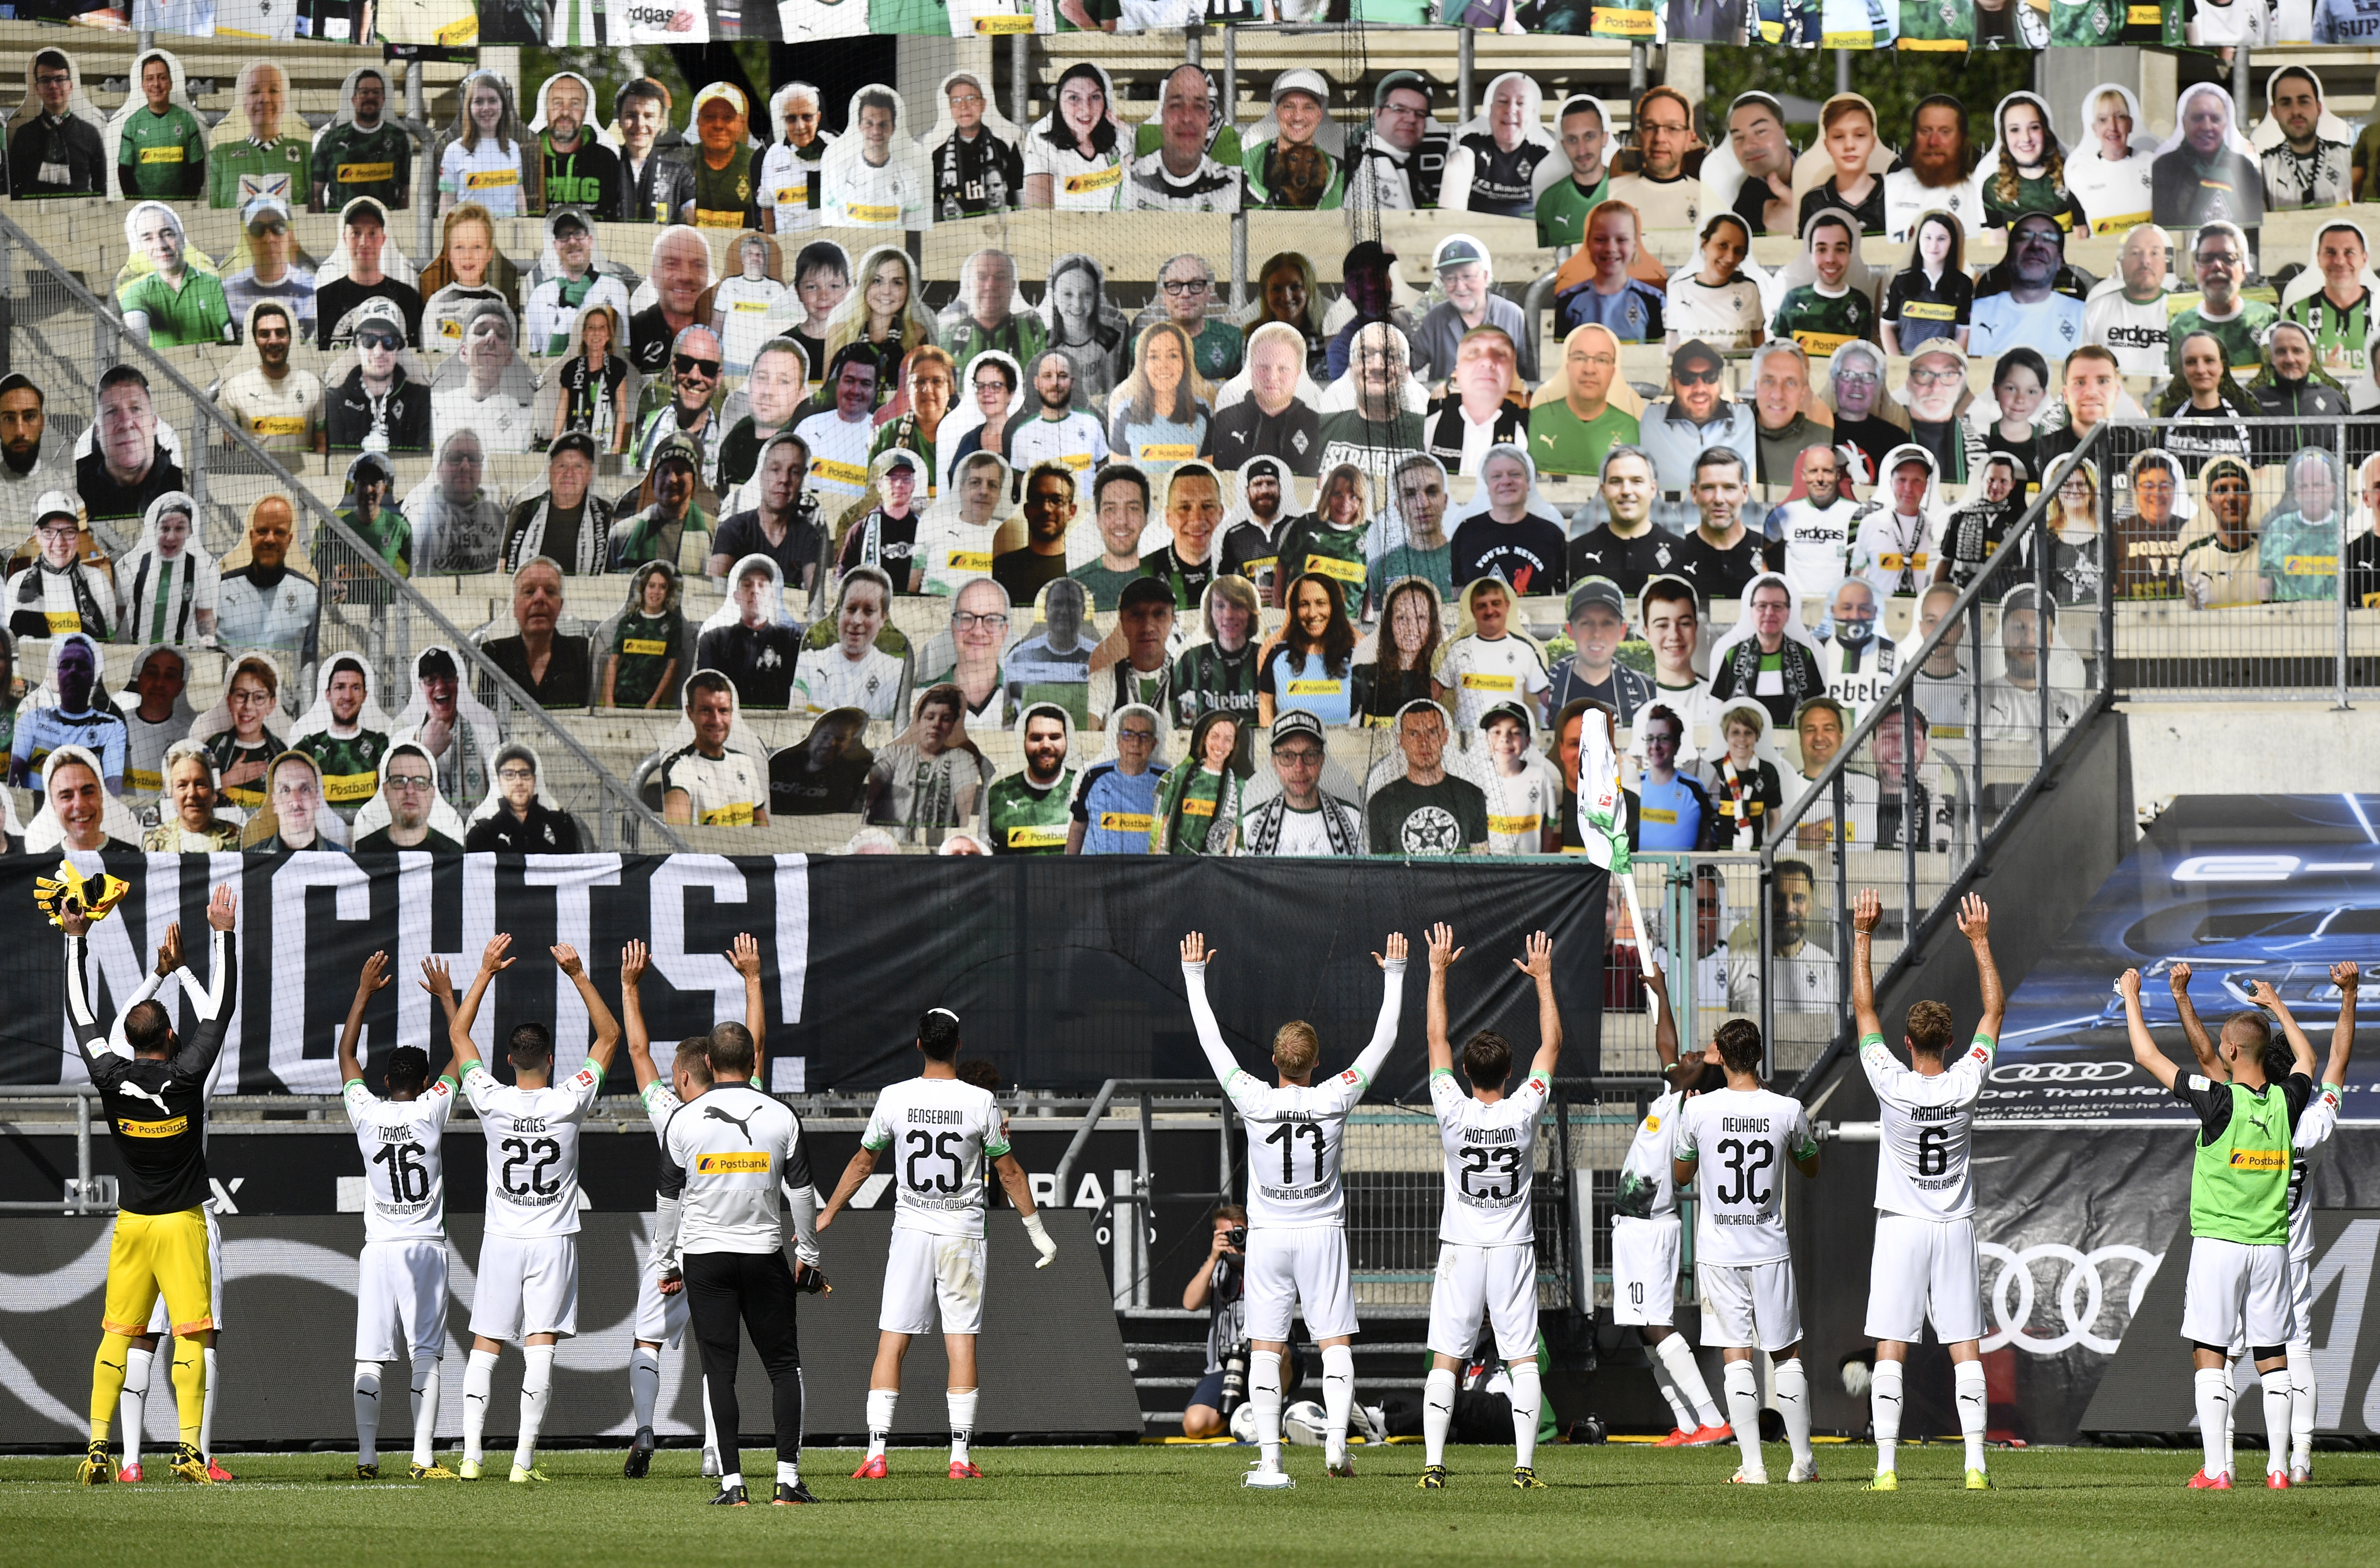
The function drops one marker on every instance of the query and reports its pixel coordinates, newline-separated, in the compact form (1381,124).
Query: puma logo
(150,1095)
(741,1123)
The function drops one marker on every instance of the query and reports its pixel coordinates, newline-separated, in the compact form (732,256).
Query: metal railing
(617,818)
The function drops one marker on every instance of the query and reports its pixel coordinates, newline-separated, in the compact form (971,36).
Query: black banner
(1064,969)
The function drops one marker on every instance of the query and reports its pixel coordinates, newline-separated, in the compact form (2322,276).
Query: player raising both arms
(152,1087)
(2310,1146)
(401,1277)
(1741,1259)
(940,1130)
(1486,1242)
(1926,1264)
(1645,1232)
(661,1289)
(1297,1225)
(2238,1281)
(528,1260)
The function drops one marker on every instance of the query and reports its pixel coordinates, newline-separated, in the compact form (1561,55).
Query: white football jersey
(405,1173)
(1296,1132)
(1926,1127)
(937,1134)
(1645,1190)
(532,1136)
(1490,1158)
(1817,542)
(2312,1140)
(742,305)
(1744,1139)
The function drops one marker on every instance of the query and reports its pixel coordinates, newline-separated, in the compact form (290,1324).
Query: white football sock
(881,1405)
(2213,1389)
(1884,1409)
(1529,1399)
(1974,1407)
(1793,1386)
(961,1407)
(1264,1394)
(1437,1414)
(2231,1418)
(2301,1406)
(2277,1420)
(1744,1411)
(134,1404)
(644,1382)
(537,1384)
(366,1412)
(1679,1357)
(1338,1396)
(1682,1413)
(207,1408)
(425,1410)
(731,1479)
(478,1377)
(789,1473)
(709,1427)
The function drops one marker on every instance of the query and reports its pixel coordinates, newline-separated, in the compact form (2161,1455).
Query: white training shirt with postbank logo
(405,1170)
(1927,1127)
(532,1138)
(1646,1190)
(1490,1157)
(938,1133)
(1744,1139)
(737,1147)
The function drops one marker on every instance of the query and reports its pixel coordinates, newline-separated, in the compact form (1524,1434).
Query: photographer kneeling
(1217,1285)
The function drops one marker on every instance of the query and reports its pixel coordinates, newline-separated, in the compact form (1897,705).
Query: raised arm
(1665,1028)
(1537,963)
(2342,1033)
(1440,940)
(633,959)
(1393,1005)
(1195,954)
(1975,924)
(2210,1061)
(214,1004)
(1866,910)
(2301,1049)
(607,1028)
(2144,1048)
(493,960)
(374,978)
(745,954)
(441,985)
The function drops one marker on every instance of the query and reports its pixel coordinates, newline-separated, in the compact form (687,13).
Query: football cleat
(2276,1481)
(433,1473)
(790,1493)
(467,1471)
(640,1455)
(1749,1479)
(188,1466)
(730,1497)
(2203,1482)
(1433,1478)
(523,1475)
(1707,1437)
(129,1474)
(1524,1478)
(1343,1467)
(96,1470)
(965,1470)
(366,1473)
(1803,1470)
(1979,1482)
(1268,1480)
(872,1469)
(216,1472)
(1885,1481)
(1679,1437)
(2301,1476)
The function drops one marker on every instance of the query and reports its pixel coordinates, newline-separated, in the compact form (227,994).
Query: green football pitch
(1156,1506)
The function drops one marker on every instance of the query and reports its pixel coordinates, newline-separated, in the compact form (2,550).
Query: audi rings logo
(2027,1282)
(2060,1072)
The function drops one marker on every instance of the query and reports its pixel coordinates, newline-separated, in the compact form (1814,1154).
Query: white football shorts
(661,1320)
(1291,1269)
(1645,1271)
(1924,1268)
(923,1270)
(1749,1304)
(2237,1292)
(1500,1281)
(401,1284)
(527,1285)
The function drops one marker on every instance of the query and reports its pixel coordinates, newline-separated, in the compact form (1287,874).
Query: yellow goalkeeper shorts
(154,1252)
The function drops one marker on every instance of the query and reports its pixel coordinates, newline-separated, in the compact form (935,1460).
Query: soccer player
(528,1260)
(939,1129)
(1926,1264)
(1486,1242)
(152,1087)
(2310,1146)
(1742,1260)
(737,1149)
(402,1275)
(1297,1226)
(1645,1232)
(2239,1214)
(661,1289)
